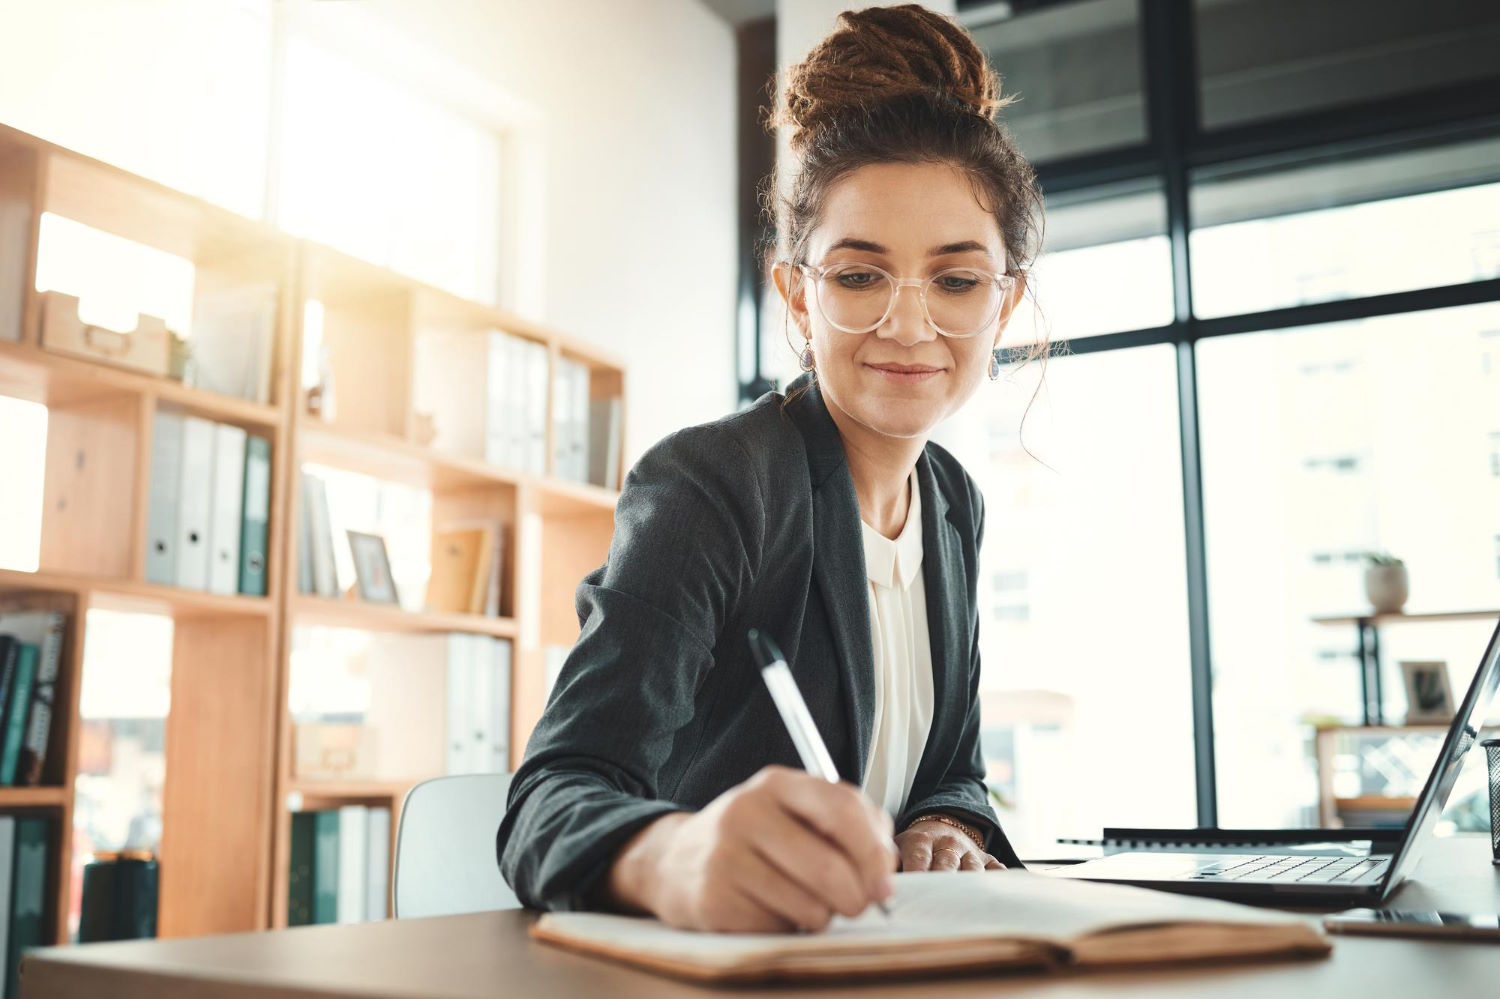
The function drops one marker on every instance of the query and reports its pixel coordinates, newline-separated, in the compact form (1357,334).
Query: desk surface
(489,954)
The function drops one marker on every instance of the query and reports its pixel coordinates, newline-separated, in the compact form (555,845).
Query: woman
(660,778)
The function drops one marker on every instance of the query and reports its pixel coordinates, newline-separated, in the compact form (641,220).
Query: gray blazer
(748,521)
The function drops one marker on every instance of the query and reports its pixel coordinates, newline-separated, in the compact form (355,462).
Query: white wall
(636,99)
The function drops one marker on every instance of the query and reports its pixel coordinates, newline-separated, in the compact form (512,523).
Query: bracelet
(948,820)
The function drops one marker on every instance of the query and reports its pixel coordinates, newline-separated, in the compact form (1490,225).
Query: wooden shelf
(33,797)
(388,457)
(348,790)
(38,375)
(1348,619)
(128,595)
(559,498)
(381,617)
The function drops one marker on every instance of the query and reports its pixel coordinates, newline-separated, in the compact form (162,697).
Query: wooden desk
(489,954)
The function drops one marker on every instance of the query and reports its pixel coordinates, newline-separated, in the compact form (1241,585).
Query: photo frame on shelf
(1429,695)
(372,568)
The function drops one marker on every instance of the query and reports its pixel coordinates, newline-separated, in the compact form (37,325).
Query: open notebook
(953,922)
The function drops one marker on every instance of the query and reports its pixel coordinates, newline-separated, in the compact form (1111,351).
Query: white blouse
(903,657)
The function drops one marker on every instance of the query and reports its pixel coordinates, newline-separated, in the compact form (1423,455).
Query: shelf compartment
(384,456)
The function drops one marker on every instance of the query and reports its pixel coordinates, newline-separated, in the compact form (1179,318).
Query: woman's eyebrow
(965,246)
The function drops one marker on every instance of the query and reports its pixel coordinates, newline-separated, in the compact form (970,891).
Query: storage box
(147,348)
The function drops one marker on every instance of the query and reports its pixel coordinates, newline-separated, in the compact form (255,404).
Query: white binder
(161,516)
(499,762)
(227,514)
(460,704)
(195,502)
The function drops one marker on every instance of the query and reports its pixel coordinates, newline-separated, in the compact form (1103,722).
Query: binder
(499,761)
(16,711)
(578,441)
(226,514)
(256,503)
(562,419)
(351,881)
(460,705)
(326,867)
(481,704)
(195,503)
(299,896)
(536,406)
(7,864)
(377,863)
(28,898)
(497,440)
(161,516)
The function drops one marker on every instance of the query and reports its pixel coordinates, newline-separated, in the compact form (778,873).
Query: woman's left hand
(930,845)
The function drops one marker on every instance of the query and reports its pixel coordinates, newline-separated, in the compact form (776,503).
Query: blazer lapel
(839,566)
(943,579)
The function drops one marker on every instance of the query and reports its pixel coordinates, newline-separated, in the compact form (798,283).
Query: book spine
(10,657)
(195,503)
(161,517)
(226,516)
(377,863)
(305,581)
(353,820)
(43,701)
(326,867)
(7,865)
(300,882)
(28,900)
(15,715)
(256,504)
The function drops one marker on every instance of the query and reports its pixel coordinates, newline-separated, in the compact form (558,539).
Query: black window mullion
(1168,49)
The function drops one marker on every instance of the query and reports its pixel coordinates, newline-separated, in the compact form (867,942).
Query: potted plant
(1385,582)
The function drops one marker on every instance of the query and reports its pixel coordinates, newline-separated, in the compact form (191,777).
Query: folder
(499,762)
(161,517)
(256,503)
(195,503)
(226,517)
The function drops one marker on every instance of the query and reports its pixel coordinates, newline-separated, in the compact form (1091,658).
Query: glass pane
(1082,596)
(1077,70)
(1320,445)
(1262,59)
(426,205)
(1106,266)
(175,90)
(1367,227)
(127,687)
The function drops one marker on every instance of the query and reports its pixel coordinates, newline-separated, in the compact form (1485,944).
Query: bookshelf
(230,789)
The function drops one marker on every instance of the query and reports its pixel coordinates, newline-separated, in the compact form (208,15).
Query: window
(1341,230)
(1260,59)
(1077,70)
(1106,266)
(1287,526)
(1086,693)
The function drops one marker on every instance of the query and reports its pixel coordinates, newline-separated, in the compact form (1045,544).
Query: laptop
(1300,867)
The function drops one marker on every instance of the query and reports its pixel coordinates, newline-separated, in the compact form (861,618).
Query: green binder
(28,900)
(15,713)
(255,510)
(326,868)
(300,887)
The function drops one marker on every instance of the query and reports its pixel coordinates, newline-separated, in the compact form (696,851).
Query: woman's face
(912,220)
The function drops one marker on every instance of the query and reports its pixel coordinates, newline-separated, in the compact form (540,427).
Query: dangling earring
(806,358)
(995,365)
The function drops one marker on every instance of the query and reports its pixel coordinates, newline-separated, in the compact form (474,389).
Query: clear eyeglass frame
(1005,280)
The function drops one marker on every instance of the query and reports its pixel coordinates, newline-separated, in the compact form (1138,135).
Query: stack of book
(24,915)
(341,865)
(30,658)
(316,570)
(209,507)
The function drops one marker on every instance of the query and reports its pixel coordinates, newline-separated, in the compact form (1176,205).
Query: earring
(995,364)
(806,358)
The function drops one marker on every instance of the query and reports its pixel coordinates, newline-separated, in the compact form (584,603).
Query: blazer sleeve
(962,792)
(689,526)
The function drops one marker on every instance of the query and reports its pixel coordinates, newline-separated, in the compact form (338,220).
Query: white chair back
(445,847)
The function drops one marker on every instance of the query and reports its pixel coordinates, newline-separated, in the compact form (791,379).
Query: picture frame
(1429,694)
(372,568)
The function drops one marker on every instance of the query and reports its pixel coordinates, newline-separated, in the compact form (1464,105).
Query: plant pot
(1386,587)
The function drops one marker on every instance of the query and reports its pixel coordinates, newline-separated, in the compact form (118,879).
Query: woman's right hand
(783,851)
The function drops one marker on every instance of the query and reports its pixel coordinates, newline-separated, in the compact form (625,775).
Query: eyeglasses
(958,301)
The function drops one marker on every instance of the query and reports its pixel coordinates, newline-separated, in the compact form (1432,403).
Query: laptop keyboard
(1281,868)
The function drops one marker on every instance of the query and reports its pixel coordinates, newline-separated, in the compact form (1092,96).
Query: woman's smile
(905,374)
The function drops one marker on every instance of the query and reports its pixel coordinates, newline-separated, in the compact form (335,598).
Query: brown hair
(900,85)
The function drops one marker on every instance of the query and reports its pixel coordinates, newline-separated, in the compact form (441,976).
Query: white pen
(794,714)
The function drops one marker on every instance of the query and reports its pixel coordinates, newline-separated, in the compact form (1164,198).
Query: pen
(794,714)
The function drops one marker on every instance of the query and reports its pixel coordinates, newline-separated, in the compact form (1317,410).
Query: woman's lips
(905,374)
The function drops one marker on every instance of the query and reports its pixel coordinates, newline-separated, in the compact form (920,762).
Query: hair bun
(880,53)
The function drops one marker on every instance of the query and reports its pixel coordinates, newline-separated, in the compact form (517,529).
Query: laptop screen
(1461,738)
